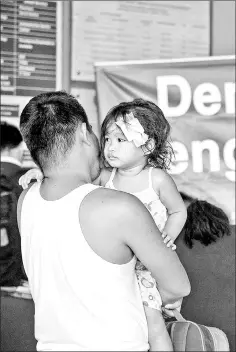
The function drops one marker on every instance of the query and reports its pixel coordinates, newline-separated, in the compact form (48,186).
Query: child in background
(136,154)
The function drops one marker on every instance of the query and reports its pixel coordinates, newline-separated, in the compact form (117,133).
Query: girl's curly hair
(154,124)
(205,222)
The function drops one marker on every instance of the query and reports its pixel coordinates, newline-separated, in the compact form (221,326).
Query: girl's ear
(149,146)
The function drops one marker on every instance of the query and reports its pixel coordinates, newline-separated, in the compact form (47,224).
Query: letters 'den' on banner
(197,96)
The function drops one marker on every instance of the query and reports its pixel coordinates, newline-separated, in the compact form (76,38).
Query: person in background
(11,267)
(80,241)
(12,149)
(206,248)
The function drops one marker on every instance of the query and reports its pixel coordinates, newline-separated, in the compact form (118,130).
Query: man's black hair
(48,124)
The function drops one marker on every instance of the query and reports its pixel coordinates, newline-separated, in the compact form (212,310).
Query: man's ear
(84,133)
(149,146)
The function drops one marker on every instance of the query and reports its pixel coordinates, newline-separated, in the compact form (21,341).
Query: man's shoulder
(109,204)
(107,197)
(114,212)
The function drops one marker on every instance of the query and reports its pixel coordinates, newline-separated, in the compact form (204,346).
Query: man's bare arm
(139,231)
(120,225)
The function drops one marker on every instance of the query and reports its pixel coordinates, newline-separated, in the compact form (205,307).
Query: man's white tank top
(82,302)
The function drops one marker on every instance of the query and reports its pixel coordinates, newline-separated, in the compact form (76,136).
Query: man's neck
(68,174)
(51,190)
(67,179)
(58,183)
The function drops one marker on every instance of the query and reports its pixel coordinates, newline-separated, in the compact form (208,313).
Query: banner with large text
(197,96)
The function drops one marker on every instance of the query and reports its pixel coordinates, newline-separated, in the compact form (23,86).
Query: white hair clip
(132,129)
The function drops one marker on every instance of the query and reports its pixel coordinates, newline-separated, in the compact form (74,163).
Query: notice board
(136,30)
(28,47)
(28,55)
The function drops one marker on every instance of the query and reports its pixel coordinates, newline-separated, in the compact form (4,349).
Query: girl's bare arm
(172,200)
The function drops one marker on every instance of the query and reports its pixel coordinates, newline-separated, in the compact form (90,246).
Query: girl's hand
(168,308)
(33,174)
(168,241)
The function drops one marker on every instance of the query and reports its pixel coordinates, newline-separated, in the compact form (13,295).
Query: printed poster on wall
(198,98)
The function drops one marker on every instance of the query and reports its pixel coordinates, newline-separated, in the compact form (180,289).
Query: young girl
(136,154)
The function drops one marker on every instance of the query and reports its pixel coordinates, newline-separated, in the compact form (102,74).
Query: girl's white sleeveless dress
(151,200)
